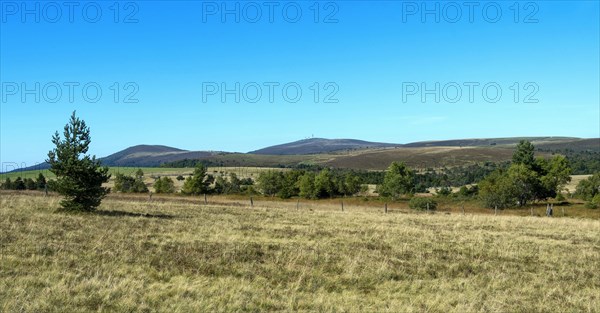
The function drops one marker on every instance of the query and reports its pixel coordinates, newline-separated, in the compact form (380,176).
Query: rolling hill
(320,145)
(348,153)
(152,155)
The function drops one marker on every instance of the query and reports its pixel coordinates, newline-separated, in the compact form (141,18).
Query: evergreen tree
(306,185)
(198,183)
(30,184)
(398,180)
(524,154)
(8,184)
(270,182)
(79,177)
(40,182)
(164,185)
(324,186)
(19,184)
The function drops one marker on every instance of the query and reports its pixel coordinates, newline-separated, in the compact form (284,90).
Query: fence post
(531,208)
(463,209)
(427,207)
(385,210)
(342,205)
(298,204)
(251,202)
(496,210)
(563,210)
(205,202)
(150,196)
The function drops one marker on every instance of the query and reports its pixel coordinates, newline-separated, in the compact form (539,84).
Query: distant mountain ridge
(334,152)
(320,145)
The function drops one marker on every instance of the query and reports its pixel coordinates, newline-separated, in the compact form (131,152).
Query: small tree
(164,185)
(398,180)
(524,154)
(30,184)
(40,182)
(19,184)
(198,183)
(8,184)
(588,188)
(324,186)
(79,177)
(306,186)
(270,182)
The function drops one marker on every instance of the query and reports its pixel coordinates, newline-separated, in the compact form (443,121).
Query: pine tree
(40,182)
(79,177)
(198,183)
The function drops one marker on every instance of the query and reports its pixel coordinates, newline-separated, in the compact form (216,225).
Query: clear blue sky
(372,51)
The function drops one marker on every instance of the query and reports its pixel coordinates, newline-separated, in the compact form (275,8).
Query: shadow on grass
(131,214)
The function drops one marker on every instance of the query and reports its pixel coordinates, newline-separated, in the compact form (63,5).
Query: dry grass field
(178,256)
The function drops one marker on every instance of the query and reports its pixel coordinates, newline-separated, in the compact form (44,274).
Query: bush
(125,183)
(594,203)
(164,185)
(588,188)
(422,204)
(444,191)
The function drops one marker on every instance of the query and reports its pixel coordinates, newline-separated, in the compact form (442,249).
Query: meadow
(179,255)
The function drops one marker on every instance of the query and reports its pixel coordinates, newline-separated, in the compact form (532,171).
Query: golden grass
(176,256)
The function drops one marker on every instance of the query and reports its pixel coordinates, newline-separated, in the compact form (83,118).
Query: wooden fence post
(342,205)
(385,210)
(496,210)
(463,209)
(298,204)
(251,202)
(531,208)
(205,201)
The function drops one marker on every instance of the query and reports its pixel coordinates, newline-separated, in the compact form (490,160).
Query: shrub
(444,191)
(422,204)
(588,188)
(164,185)
(125,183)
(594,203)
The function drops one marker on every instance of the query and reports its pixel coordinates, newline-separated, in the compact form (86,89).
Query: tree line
(80,178)
(25,183)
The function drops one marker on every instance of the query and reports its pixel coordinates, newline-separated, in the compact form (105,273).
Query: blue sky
(364,55)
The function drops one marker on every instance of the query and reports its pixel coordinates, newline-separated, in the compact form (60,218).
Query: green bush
(164,185)
(124,183)
(444,191)
(588,188)
(422,204)
(594,203)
